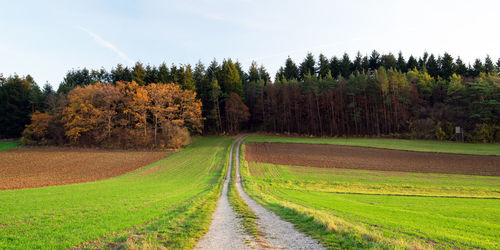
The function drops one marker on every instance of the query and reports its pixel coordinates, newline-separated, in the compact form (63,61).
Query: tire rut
(278,233)
(226,230)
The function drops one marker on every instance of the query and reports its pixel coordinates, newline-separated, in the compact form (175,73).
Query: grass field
(379,209)
(411,145)
(168,203)
(8,145)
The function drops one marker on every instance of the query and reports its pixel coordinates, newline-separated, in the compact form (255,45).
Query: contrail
(108,45)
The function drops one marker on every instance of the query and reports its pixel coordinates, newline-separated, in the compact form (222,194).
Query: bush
(423,129)
(486,133)
(178,137)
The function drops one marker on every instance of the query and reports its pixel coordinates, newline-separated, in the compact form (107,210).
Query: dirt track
(333,156)
(26,167)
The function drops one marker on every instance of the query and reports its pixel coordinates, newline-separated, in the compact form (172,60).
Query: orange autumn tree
(38,131)
(122,115)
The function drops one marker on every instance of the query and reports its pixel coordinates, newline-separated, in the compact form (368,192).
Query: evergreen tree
(422,62)
(401,63)
(253,73)
(263,75)
(35,95)
(489,67)
(324,66)
(198,75)
(447,66)
(357,63)
(307,66)
(365,64)
(164,73)
(477,68)
(213,70)
(432,66)
(412,63)
(345,66)
(229,78)
(243,74)
(460,67)
(291,71)
(335,67)
(388,61)
(151,75)
(15,106)
(139,74)
(120,73)
(374,60)
(188,81)
(280,75)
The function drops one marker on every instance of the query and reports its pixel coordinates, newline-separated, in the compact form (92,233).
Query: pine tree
(163,73)
(263,75)
(477,68)
(345,66)
(401,63)
(447,66)
(489,67)
(229,78)
(243,74)
(388,61)
(460,68)
(432,66)
(199,74)
(335,67)
(139,74)
(291,71)
(357,64)
(307,66)
(374,60)
(323,67)
(253,73)
(412,63)
(188,81)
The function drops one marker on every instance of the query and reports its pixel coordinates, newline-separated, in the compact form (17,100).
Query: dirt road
(279,233)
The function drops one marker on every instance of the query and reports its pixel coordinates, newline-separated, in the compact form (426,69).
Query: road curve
(279,233)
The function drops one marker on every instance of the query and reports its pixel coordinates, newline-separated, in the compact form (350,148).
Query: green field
(372,209)
(410,145)
(168,203)
(8,145)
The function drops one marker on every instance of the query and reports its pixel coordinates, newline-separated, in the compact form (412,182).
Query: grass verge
(8,145)
(409,145)
(239,205)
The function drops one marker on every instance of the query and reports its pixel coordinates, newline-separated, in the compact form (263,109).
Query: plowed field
(332,156)
(27,167)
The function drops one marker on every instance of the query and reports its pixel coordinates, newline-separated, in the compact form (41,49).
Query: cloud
(108,45)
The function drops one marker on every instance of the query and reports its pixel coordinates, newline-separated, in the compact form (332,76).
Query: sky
(47,38)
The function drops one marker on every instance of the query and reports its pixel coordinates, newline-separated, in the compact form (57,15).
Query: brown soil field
(30,167)
(333,156)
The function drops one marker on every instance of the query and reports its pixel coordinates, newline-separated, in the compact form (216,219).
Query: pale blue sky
(48,38)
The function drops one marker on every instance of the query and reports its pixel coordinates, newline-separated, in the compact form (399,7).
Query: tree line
(375,95)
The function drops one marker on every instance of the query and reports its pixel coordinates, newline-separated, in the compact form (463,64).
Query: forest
(376,95)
